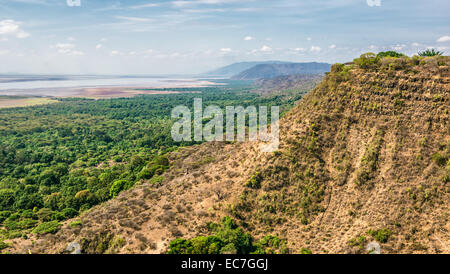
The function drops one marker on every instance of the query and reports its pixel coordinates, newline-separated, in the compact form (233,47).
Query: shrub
(26,223)
(305,251)
(271,245)
(381,235)
(118,186)
(4,215)
(395,63)
(430,52)
(6,198)
(45,214)
(3,245)
(161,160)
(157,179)
(254,181)
(228,238)
(359,242)
(76,223)
(152,170)
(69,212)
(367,60)
(439,159)
(389,54)
(48,227)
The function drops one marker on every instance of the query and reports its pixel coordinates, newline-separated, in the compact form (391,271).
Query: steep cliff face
(363,157)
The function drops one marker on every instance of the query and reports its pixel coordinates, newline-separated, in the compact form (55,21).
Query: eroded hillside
(363,157)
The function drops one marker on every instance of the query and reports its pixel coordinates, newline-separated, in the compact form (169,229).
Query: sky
(195,36)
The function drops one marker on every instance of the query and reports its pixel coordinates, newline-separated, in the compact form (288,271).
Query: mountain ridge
(236,68)
(269,71)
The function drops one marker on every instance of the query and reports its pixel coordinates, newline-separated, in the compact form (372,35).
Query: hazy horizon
(189,37)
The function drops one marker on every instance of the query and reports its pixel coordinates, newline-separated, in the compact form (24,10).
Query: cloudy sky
(193,36)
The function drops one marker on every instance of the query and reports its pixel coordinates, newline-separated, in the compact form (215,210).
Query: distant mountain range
(236,68)
(268,70)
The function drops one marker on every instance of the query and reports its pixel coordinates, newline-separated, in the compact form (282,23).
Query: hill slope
(267,71)
(363,157)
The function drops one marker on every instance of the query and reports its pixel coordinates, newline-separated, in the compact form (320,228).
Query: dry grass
(26,102)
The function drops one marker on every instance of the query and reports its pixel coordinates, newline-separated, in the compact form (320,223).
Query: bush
(439,159)
(271,245)
(367,60)
(305,251)
(76,223)
(381,235)
(118,186)
(6,198)
(4,215)
(161,160)
(228,238)
(45,214)
(254,181)
(157,179)
(26,223)
(69,212)
(389,54)
(3,245)
(48,227)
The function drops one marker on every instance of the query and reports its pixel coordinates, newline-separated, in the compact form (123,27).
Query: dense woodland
(59,160)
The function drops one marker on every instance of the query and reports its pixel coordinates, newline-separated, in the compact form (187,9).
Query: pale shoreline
(32,97)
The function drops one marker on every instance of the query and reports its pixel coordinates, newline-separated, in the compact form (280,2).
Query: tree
(389,54)
(6,198)
(117,187)
(430,52)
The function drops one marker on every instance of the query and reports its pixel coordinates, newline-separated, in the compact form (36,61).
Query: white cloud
(22,35)
(99,46)
(445,38)
(67,49)
(248,38)
(143,6)
(134,19)
(64,46)
(8,27)
(73,3)
(11,27)
(70,39)
(226,50)
(373,3)
(415,44)
(3,52)
(398,47)
(308,38)
(266,49)
(181,4)
(332,46)
(115,52)
(300,49)
(315,49)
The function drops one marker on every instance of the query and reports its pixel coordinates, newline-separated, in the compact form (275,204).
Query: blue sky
(193,36)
